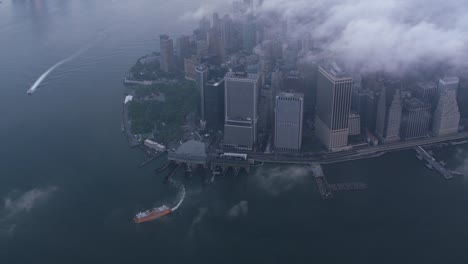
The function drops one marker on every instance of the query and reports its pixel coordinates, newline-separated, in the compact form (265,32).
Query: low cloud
(279,180)
(391,36)
(240,209)
(206,9)
(21,203)
(197,220)
(26,201)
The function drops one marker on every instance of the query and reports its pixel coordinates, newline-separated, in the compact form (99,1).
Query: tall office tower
(183,48)
(249,34)
(334,90)
(265,108)
(277,81)
(214,43)
(447,114)
(427,91)
(204,25)
(294,82)
(216,22)
(416,118)
(354,124)
(227,32)
(389,111)
(241,109)
(190,66)
(213,104)
(289,114)
(167,53)
(201,79)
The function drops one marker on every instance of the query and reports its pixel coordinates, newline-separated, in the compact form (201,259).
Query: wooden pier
(326,190)
(348,186)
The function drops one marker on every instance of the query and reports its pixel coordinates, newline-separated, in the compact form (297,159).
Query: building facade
(289,114)
(241,97)
(354,124)
(334,92)
(447,114)
(201,72)
(416,118)
(389,111)
(167,53)
(214,104)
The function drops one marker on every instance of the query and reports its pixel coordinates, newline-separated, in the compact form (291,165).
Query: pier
(348,186)
(326,189)
(432,163)
(321,181)
(155,157)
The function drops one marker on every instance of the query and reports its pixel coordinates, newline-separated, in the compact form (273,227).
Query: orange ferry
(152,214)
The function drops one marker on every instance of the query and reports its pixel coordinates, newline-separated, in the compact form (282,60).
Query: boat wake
(181,199)
(41,78)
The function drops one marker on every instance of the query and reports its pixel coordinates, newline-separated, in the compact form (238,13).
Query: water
(69,184)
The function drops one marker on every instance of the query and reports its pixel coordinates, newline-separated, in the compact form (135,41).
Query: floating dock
(432,163)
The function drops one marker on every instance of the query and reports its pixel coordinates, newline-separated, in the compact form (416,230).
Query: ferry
(152,214)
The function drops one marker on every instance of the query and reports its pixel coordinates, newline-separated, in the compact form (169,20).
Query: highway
(354,154)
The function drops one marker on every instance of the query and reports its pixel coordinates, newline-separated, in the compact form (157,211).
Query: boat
(419,156)
(429,166)
(152,214)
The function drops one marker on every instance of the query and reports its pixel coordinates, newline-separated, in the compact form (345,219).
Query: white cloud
(279,180)
(26,201)
(377,35)
(240,209)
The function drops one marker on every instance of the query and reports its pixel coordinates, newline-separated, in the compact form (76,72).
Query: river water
(69,184)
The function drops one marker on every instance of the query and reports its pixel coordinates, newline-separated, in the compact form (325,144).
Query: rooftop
(242,76)
(450,80)
(192,148)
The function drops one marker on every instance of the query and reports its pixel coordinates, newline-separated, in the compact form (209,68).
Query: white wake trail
(41,78)
(181,199)
(44,75)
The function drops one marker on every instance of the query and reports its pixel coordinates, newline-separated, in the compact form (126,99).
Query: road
(354,154)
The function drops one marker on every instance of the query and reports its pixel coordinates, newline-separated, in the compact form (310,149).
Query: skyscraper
(183,48)
(227,32)
(427,91)
(334,92)
(201,79)
(288,122)
(416,118)
(213,104)
(241,109)
(167,53)
(354,124)
(389,111)
(447,115)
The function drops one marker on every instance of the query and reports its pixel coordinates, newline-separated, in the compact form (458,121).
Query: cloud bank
(377,35)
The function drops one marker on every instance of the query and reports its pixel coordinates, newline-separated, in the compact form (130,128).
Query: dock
(321,181)
(326,189)
(348,186)
(155,157)
(432,163)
